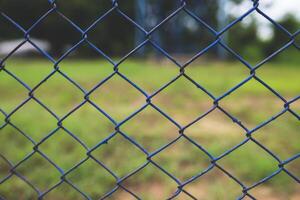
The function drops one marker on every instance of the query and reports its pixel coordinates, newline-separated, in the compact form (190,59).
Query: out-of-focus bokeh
(254,39)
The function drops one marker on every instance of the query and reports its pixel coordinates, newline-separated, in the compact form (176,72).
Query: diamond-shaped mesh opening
(255,50)
(281,134)
(59,94)
(183,101)
(65,156)
(36,69)
(63,191)
(31,11)
(15,188)
(226,74)
(180,165)
(58,43)
(39,171)
(211,132)
(214,185)
(279,187)
(113,42)
(257,104)
(251,156)
(33,112)
(283,81)
(150,129)
(151,183)
(141,71)
(12,92)
(120,155)
(87,75)
(118,98)
(92,179)
(89,125)
(16,146)
(179,30)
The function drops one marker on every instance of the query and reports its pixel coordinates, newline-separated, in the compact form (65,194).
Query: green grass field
(252,104)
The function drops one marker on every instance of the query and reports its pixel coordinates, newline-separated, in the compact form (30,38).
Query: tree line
(115,35)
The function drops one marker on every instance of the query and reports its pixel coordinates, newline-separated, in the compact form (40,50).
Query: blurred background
(254,38)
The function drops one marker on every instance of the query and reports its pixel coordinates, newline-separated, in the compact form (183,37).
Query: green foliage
(279,38)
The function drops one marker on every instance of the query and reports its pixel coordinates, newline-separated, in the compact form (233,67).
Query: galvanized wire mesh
(215,100)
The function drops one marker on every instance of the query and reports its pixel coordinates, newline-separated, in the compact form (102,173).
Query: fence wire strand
(181,185)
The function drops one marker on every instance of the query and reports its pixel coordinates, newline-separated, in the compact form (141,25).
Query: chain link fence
(147,35)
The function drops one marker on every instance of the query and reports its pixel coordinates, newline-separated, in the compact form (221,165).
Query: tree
(279,38)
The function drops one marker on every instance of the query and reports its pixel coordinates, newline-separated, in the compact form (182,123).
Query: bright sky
(276,9)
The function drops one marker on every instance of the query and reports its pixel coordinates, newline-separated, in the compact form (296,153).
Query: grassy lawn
(252,104)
